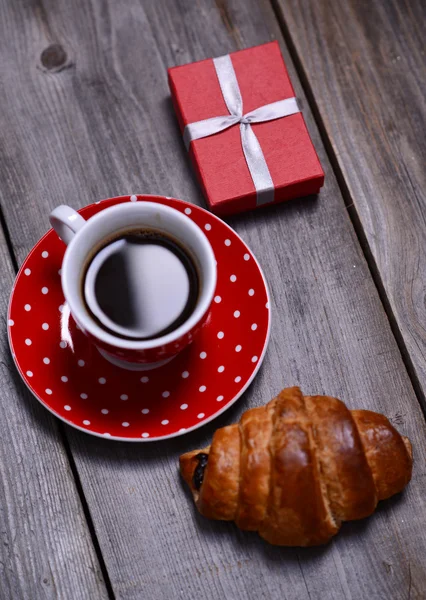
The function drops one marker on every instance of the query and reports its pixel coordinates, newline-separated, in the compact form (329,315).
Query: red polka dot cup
(85,238)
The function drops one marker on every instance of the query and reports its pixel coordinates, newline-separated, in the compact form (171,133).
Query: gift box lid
(219,159)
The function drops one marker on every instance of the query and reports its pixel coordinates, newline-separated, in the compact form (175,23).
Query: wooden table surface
(91,118)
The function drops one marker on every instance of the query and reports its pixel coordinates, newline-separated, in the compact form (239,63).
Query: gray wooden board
(46,549)
(102,125)
(365,64)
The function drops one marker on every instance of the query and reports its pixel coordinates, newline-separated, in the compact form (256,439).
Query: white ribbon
(252,151)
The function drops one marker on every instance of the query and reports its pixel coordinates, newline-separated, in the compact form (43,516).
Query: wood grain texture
(46,547)
(102,124)
(365,64)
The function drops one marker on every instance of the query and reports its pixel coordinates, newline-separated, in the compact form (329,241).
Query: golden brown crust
(409,449)
(297,467)
(388,453)
(255,467)
(297,514)
(344,467)
(218,497)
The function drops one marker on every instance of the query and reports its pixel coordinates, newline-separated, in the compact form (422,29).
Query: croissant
(295,469)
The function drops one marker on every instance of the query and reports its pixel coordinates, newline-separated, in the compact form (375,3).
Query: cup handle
(66,222)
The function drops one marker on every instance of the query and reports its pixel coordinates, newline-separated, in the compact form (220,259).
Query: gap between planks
(65,443)
(350,206)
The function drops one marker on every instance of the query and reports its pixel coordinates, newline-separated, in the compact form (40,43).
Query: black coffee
(145,284)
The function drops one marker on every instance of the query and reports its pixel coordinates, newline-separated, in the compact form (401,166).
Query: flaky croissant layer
(295,469)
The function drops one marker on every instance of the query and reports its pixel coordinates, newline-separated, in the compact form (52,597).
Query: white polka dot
(164,422)
(201,416)
(45,326)
(27,307)
(207,226)
(237,379)
(238,348)
(102,380)
(67,407)
(46,360)
(11,322)
(221,369)
(227,242)
(28,342)
(203,355)
(219,398)
(63,344)
(125,424)
(254,358)
(145,411)
(183,406)
(165,394)
(86,422)
(202,388)
(105,434)
(84,396)
(48,391)
(104,411)
(145,379)
(237,314)
(81,363)
(124,397)
(61,307)
(133,198)
(64,378)
(45,254)
(254,327)
(246,256)
(30,373)
(188,211)
(182,429)
(44,290)
(60,272)
(145,435)
(185,374)
(220,335)
(217,299)
(233,278)
(267,305)
(27,272)
(251,292)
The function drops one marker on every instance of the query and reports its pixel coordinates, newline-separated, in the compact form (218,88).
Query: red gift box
(219,159)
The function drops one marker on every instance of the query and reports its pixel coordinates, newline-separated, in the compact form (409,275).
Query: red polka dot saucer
(83,389)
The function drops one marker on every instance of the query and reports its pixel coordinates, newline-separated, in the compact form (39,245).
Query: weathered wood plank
(105,126)
(365,65)
(46,547)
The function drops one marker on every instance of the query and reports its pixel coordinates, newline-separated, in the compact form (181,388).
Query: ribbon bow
(252,150)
